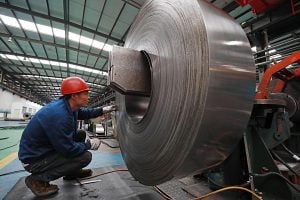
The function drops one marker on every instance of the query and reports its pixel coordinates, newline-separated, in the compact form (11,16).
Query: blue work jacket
(52,130)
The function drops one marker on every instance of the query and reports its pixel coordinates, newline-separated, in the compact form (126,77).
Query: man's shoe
(40,188)
(80,174)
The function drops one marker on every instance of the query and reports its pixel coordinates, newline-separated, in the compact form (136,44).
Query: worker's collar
(69,107)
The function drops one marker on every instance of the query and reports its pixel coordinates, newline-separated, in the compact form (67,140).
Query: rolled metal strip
(202,91)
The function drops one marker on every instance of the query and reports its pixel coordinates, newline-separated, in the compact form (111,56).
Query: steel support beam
(133,3)
(277,22)
(11,86)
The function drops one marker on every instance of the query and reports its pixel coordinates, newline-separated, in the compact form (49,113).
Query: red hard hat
(73,85)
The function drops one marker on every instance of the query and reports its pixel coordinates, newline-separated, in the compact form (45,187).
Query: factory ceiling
(42,42)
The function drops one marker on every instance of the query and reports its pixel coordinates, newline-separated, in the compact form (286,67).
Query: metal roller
(292,89)
(202,84)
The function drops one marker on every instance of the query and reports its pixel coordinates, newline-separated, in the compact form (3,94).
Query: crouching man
(50,145)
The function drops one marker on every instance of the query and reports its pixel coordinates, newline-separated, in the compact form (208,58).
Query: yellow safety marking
(5,161)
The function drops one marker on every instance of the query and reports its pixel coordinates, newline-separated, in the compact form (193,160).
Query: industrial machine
(187,105)
(263,159)
(274,123)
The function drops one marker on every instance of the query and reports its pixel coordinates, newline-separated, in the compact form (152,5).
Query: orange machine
(280,72)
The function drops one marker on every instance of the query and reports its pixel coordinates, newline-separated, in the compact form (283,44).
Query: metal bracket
(129,71)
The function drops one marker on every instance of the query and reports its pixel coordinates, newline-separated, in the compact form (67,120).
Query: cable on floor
(229,188)
(162,193)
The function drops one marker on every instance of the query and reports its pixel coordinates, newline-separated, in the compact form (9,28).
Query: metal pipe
(278,45)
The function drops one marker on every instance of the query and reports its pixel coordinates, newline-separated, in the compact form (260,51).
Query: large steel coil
(202,91)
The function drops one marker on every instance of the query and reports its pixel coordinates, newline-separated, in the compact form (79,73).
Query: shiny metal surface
(202,91)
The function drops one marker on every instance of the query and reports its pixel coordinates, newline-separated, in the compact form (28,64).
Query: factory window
(24,109)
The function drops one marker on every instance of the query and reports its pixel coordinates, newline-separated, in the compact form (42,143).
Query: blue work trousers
(55,165)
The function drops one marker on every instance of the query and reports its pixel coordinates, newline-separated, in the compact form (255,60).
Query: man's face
(82,98)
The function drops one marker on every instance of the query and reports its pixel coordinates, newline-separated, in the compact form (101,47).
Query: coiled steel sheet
(202,91)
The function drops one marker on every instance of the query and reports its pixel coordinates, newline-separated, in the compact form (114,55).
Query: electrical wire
(229,188)
(284,163)
(162,193)
(295,156)
(276,174)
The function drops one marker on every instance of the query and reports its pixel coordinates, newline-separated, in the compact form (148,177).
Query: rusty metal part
(271,102)
(292,88)
(202,91)
(290,101)
(129,71)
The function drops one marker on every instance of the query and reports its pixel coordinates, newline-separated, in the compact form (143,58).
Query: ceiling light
(54,63)
(48,30)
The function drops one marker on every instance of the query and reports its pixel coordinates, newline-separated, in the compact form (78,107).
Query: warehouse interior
(207,94)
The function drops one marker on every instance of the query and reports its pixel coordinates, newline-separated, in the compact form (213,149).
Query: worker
(51,147)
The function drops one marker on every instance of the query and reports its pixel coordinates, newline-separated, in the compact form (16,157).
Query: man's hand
(107,109)
(93,144)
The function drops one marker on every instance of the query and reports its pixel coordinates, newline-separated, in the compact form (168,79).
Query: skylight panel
(34,60)
(74,37)
(63,64)
(56,78)
(59,32)
(93,84)
(12,57)
(3,56)
(30,26)
(46,62)
(21,58)
(48,30)
(85,40)
(53,63)
(36,76)
(44,29)
(97,44)
(87,69)
(10,21)
(107,47)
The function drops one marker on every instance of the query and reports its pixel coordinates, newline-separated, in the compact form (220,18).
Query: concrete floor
(104,157)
